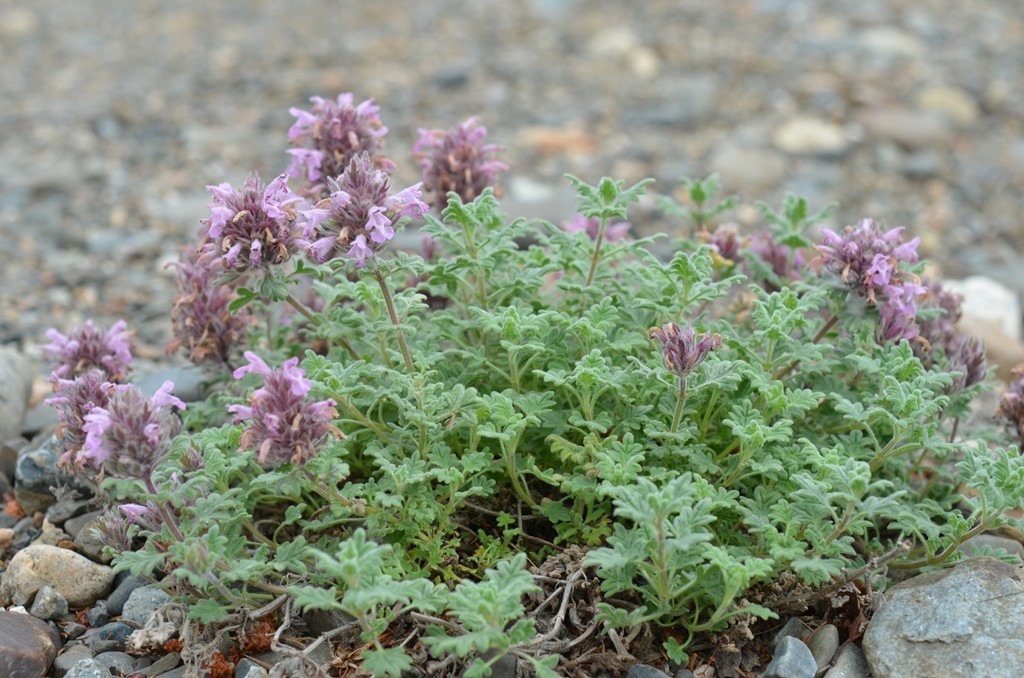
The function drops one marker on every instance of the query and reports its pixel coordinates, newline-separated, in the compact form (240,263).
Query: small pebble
(850,663)
(48,604)
(823,644)
(792,659)
(645,671)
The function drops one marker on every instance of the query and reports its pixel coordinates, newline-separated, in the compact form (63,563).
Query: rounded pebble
(78,579)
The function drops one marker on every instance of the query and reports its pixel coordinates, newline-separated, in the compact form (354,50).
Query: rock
(188,381)
(645,671)
(74,630)
(143,602)
(88,541)
(16,374)
(64,510)
(810,136)
(986,299)
(34,475)
(958,623)
(75,525)
(952,102)
(322,621)
(249,669)
(507,667)
(887,41)
(823,644)
(88,668)
(792,659)
(747,168)
(924,164)
(117,663)
(49,604)
(908,127)
(168,662)
(98,614)
(109,637)
(119,596)
(849,664)
(28,646)
(74,576)
(691,99)
(794,627)
(71,655)
(994,542)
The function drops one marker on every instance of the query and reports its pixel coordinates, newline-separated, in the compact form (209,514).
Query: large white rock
(986,299)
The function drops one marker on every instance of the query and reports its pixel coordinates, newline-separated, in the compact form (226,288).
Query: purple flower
(613,230)
(334,132)
(457,161)
(725,242)
(1011,405)
(866,258)
(784,261)
(254,227)
(682,348)
(939,310)
(283,425)
(87,347)
(112,527)
(897,314)
(74,399)
(358,217)
(131,435)
(202,323)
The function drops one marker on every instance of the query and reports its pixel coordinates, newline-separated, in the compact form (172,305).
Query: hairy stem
(597,251)
(390,303)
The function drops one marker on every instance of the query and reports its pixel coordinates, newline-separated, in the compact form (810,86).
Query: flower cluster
(1011,405)
(283,425)
(87,347)
(682,348)
(336,132)
(725,241)
(130,435)
(358,216)
(254,227)
(785,261)
(202,322)
(616,230)
(457,161)
(868,259)
(73,399)
(937,317)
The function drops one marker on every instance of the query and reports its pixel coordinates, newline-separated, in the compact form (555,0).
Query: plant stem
(597,251)
(305,313)
(680,401)
(389,301)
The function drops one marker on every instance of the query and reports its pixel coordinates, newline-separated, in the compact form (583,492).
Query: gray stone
(958,623)
(804,135)
(849,664)
(794,627)
(166,663)
(141,603)
(34,475)
(49,604)
(16,373)
(747,168)
(645,671)
(74,526)
(986,299)
(993,542)
(117,663)
(249,669)
(119,596)
(910,128)
(823,644)
(954,103)
(322,621)
(89,543)
(74,576)
(71,655)
(62,511)
(173,673)
(74,630)
(792,659)
(88,668)
(28,645)
(98,614)
(188,381)
(684,673)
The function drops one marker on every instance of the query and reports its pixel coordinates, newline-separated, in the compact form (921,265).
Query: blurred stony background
(114,115)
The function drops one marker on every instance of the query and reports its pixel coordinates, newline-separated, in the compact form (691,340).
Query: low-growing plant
(397,437)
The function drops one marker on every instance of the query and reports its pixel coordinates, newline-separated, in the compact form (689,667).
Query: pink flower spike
(241,412)
(291,371)
(359,250)
(134,511)
(256,365)
(407,202)
(163,397)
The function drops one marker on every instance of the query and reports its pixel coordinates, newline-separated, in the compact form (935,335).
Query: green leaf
(386,662)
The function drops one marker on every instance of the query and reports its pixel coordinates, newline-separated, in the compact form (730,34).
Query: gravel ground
(116,114)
